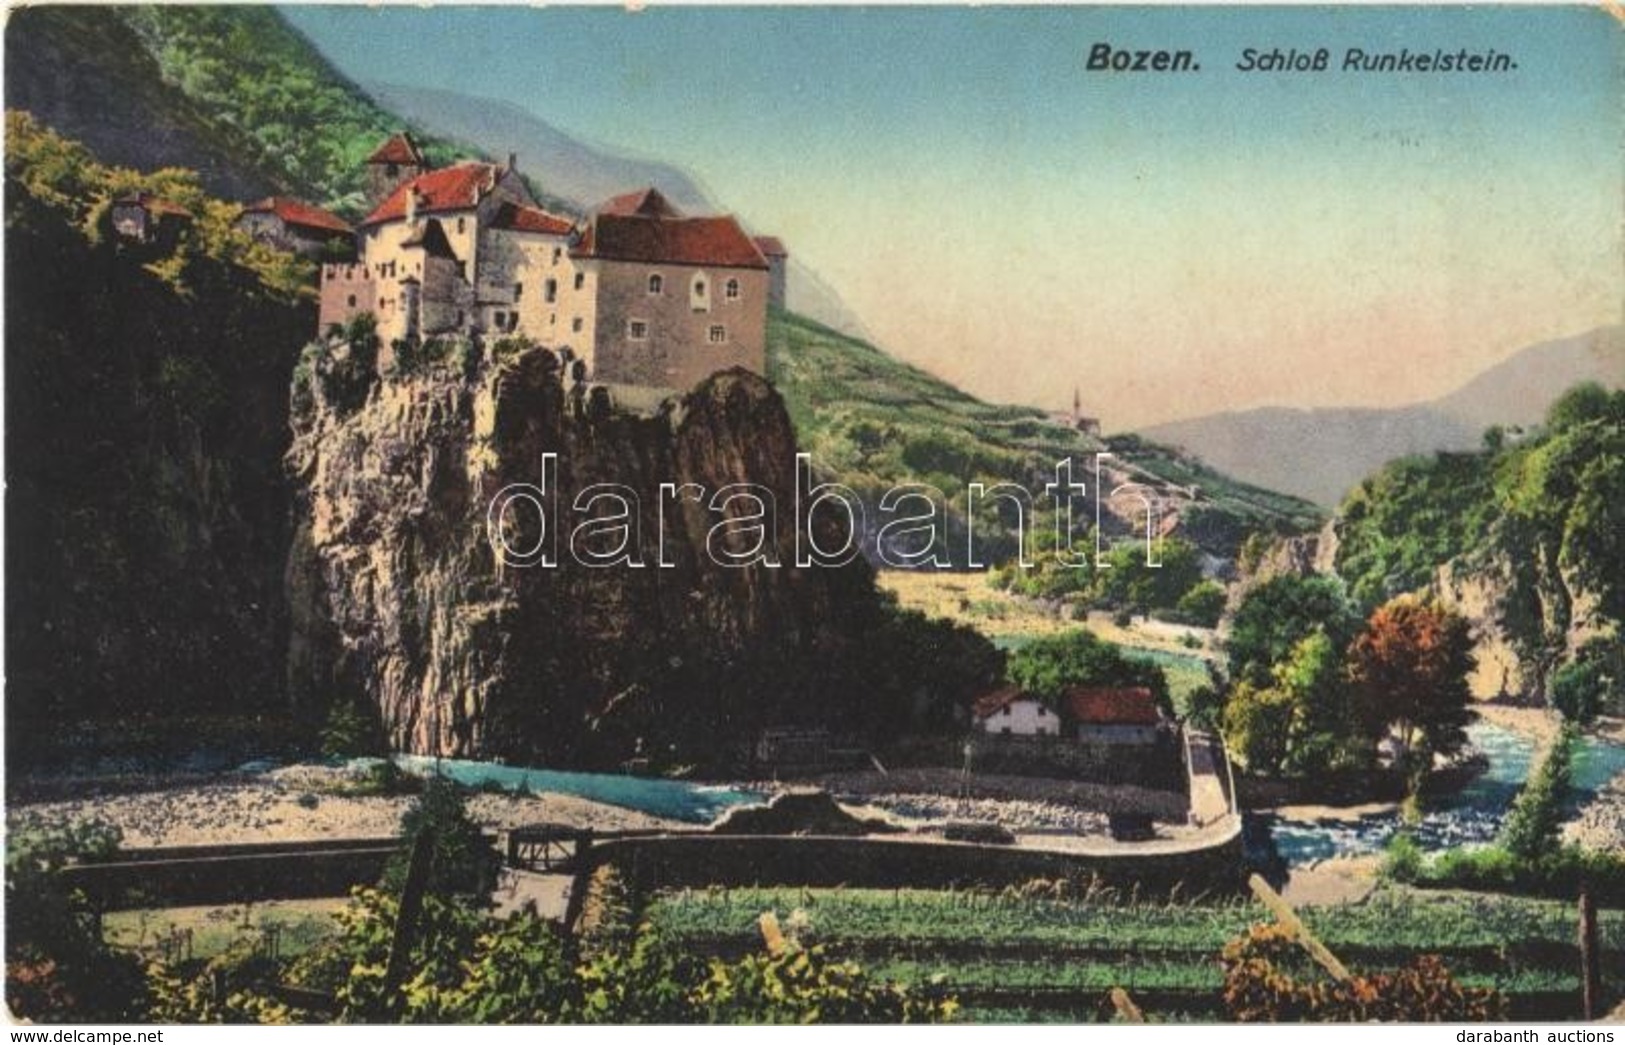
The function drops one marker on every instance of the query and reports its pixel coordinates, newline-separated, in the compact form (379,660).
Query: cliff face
(147,512)
(397,595)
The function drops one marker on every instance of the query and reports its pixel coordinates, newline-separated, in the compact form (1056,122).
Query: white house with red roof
(640,292)
(1088,714)
(1011,712)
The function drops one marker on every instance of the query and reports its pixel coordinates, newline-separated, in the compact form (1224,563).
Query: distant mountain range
(1320,454)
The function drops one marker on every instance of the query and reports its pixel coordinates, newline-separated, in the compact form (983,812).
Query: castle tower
(394,163)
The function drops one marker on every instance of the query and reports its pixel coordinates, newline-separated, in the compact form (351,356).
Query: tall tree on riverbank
(1409,672)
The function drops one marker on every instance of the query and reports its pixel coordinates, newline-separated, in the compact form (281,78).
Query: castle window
(352,301)
(518,289)
(581,280)
(699,294)
(657,283)
(558,252)
(732,290)
(575,325)
(392,171)
(637,330)
(552,290)
(717,335)
(462,224)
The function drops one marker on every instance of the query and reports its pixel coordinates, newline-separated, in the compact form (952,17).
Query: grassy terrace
(999,950)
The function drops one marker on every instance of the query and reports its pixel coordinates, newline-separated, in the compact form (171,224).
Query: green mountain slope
(872,422)
(235,93)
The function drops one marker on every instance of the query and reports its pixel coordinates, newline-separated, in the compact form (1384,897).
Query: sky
(1173,244)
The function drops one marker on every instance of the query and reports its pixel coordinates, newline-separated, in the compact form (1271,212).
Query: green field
(1010,956)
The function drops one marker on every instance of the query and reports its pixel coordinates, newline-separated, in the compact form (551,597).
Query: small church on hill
(638,291)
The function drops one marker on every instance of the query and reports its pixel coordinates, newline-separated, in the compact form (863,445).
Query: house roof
(294,212)
(1105,706)
(451,188)
(648,203)
(398,148)
(771,246)
(680,241)
(990,703)
(153,204)
(531,219)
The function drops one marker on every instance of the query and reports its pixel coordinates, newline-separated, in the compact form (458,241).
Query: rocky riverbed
(296,803)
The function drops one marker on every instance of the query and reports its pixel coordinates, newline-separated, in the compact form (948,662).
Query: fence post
(1590,966)
(406,918)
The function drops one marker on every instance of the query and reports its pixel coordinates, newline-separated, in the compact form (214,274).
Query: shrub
(1403,860)
(1260,986)
(463,865)
(352,731)
(57,966)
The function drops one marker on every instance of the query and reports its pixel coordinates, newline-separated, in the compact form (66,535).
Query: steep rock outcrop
(146,506)
(398,595)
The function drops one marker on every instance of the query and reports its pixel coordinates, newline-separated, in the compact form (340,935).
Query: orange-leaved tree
(1409,671)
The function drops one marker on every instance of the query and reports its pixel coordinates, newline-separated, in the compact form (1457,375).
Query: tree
(1048,666)
(1280,613)
(1409,671)
(1321,730)
(1203,605)
(1257,725)
(1593,682)
(464,865)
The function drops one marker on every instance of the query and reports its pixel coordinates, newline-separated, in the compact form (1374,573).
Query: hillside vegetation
(1545,513)
(147,411)
(872,422)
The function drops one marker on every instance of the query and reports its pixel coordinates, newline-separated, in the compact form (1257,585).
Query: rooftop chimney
(513,161)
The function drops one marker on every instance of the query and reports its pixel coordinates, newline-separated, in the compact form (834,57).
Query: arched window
(699,294)
(657,283)
(732,290)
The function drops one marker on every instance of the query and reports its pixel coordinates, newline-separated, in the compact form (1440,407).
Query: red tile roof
(293,212)
(1101,706)
(989,703)
(648,203)
(454,188)
(678,241)
(771,246)
(531,219)
(399,148)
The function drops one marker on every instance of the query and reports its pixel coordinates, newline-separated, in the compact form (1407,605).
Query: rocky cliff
(398,596)
(146,507)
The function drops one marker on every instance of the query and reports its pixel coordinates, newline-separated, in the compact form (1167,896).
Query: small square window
(637,330)
(581,280)
(575,325)
(717,335)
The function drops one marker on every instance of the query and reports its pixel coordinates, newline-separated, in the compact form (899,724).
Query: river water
(1471,816)
(673,799)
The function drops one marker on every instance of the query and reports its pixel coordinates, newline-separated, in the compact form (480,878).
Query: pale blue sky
(1176,243)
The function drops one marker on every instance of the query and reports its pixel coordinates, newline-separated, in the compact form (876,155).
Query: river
(1470,816)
